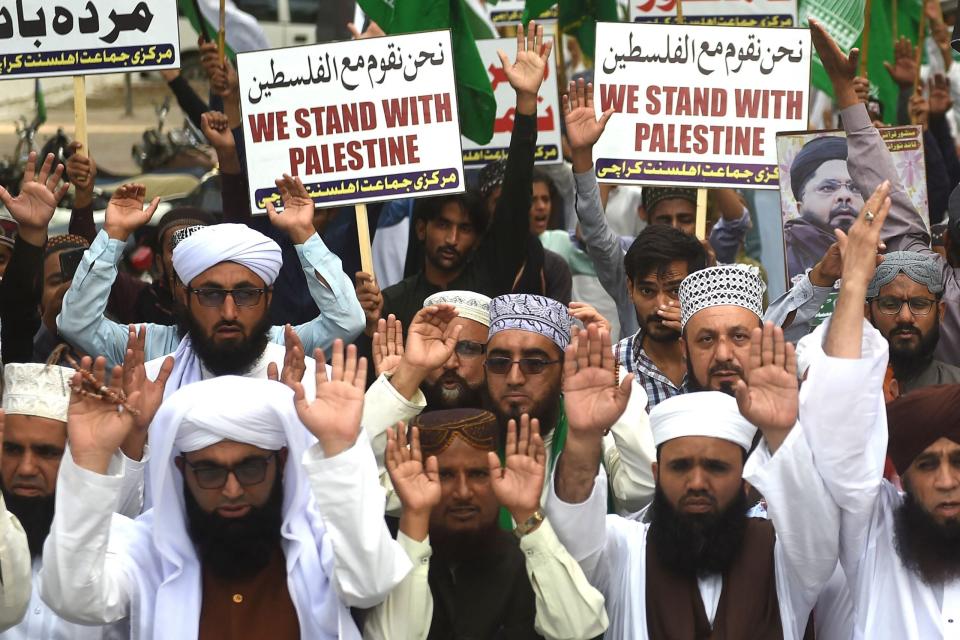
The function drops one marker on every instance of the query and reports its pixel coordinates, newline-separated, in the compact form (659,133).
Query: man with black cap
(470,579)
(826,198)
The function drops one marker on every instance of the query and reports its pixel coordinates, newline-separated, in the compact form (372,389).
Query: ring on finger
(869,217)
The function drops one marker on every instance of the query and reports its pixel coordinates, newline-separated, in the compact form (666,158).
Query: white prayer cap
(470,305)
(704,413)
(218,243)
(738,285)
(37,390)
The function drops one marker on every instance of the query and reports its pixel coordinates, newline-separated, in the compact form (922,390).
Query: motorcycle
(178,149)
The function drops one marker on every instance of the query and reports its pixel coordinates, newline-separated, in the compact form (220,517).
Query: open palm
(39,194)
(431,340)
(95,427)
(583,127)
(333,417)
(519,483)
(125,212)
(527,72)
(769,396)
(836,63)
(298,209)
(593,401)
(417,484)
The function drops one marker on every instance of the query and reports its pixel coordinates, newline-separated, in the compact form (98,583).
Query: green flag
(40,102)
(844,21)
(190,11)
(475,95)
(577,18)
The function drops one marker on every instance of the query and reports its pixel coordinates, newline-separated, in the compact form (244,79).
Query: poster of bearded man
(817,194)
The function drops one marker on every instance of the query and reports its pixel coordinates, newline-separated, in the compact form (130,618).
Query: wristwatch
(523,528)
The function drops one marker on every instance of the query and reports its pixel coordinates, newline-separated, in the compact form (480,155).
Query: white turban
(37,390)
(248,418)
(218,243)
(703,413)
(470,305)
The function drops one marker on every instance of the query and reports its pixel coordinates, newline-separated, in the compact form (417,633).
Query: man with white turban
(34,419)
(267,518)
(700,567)
(225,275)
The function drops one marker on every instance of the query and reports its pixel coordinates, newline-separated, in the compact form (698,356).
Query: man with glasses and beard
(223,288)
(267,518)
(524,367)
(719,308)
(700,568)
(905,304)
(35,401)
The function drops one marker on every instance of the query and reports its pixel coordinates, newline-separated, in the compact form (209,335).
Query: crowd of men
(256,445)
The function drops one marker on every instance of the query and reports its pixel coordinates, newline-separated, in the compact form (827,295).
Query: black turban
(438,429)
(652,196)
(920,418)
(814,154)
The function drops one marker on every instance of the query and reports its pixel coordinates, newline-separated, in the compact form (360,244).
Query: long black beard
(35,515)
(466,397)
(464,546)
(547,412)
(236,548)
(926,547)
(909,364)
(697,545)
(232,358)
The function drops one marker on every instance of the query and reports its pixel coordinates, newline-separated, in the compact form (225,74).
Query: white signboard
(82,37)
(729,13)
(548,114)
(510,12)
(698,106)
(357,121)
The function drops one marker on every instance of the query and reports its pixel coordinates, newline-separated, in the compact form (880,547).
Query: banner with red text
(698,106)
(724,13)
(356,121)
(548,149)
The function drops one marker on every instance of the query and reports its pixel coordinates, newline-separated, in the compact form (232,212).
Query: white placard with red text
(698,106)
(548,112)
(724,13)
(357,121)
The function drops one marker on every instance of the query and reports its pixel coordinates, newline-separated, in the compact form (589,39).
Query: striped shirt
(631,358)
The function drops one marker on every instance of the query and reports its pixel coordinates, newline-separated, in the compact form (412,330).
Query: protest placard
(548,113)
(510,12)
(724,13)
(817,194)
(77,37)
(357,121)
(698,106)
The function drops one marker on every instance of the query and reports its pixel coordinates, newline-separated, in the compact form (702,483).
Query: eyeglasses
(500,365)
(470,349)
(245,297)
(214,476)
(890,305)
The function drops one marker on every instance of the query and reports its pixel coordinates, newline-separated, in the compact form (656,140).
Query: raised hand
(528,71)
(859,246)
(840,67)
(387,345)
(938,92)
(125,213)
(583,126)
(82,172)
(371,300)
(593,401)
(588,315)
(919,110)
(904,67)
(430,338)
(769,395)
(297,217)
(39,194)
(333,417)
(417,484)
(96,428)
(294,360)
(519,484)
(216,128)
(862,86)
(135,378)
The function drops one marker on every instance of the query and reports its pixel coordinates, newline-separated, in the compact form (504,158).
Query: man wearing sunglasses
(905,304)
(224,278)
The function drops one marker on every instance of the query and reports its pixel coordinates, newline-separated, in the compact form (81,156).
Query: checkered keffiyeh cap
(536,314)
(738,285)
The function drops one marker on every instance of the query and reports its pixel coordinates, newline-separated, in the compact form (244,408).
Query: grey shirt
(936,373)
